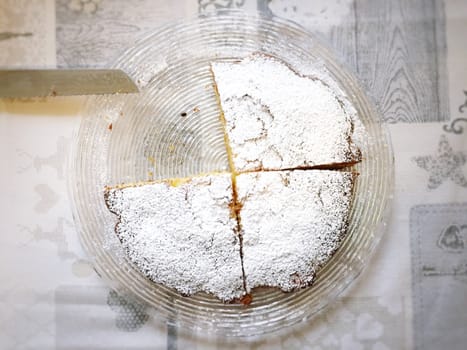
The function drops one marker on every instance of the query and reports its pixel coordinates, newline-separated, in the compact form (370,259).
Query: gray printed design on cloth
(463,106)
(452,238)
(364,323)
(56,160)
(131,315)
(445,165)
(57,236)
(456,125)
(83,6)
(213,5)
(318,15)
(94,33)
(47,198)
(439,275)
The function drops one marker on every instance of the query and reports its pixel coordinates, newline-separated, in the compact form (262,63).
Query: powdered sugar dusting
(184,236)
(290,121)
(292,222)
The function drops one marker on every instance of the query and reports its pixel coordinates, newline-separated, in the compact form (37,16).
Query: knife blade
(64,82)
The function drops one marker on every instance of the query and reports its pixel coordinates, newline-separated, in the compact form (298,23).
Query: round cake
(279,213)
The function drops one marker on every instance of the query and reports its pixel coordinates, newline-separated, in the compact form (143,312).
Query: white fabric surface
(50,297)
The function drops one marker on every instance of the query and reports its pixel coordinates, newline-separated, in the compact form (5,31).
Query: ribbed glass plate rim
(271,310)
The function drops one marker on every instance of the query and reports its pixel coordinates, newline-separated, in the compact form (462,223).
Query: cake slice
(182,233)
(291,222)
(276,119)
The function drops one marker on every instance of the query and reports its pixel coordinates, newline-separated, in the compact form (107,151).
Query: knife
(64,82)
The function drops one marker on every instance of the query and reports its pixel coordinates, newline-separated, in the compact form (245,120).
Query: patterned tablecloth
(411,55)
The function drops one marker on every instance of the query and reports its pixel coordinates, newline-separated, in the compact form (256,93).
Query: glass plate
(172,129)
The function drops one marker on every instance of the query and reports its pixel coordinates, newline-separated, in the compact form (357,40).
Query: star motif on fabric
(447,164)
